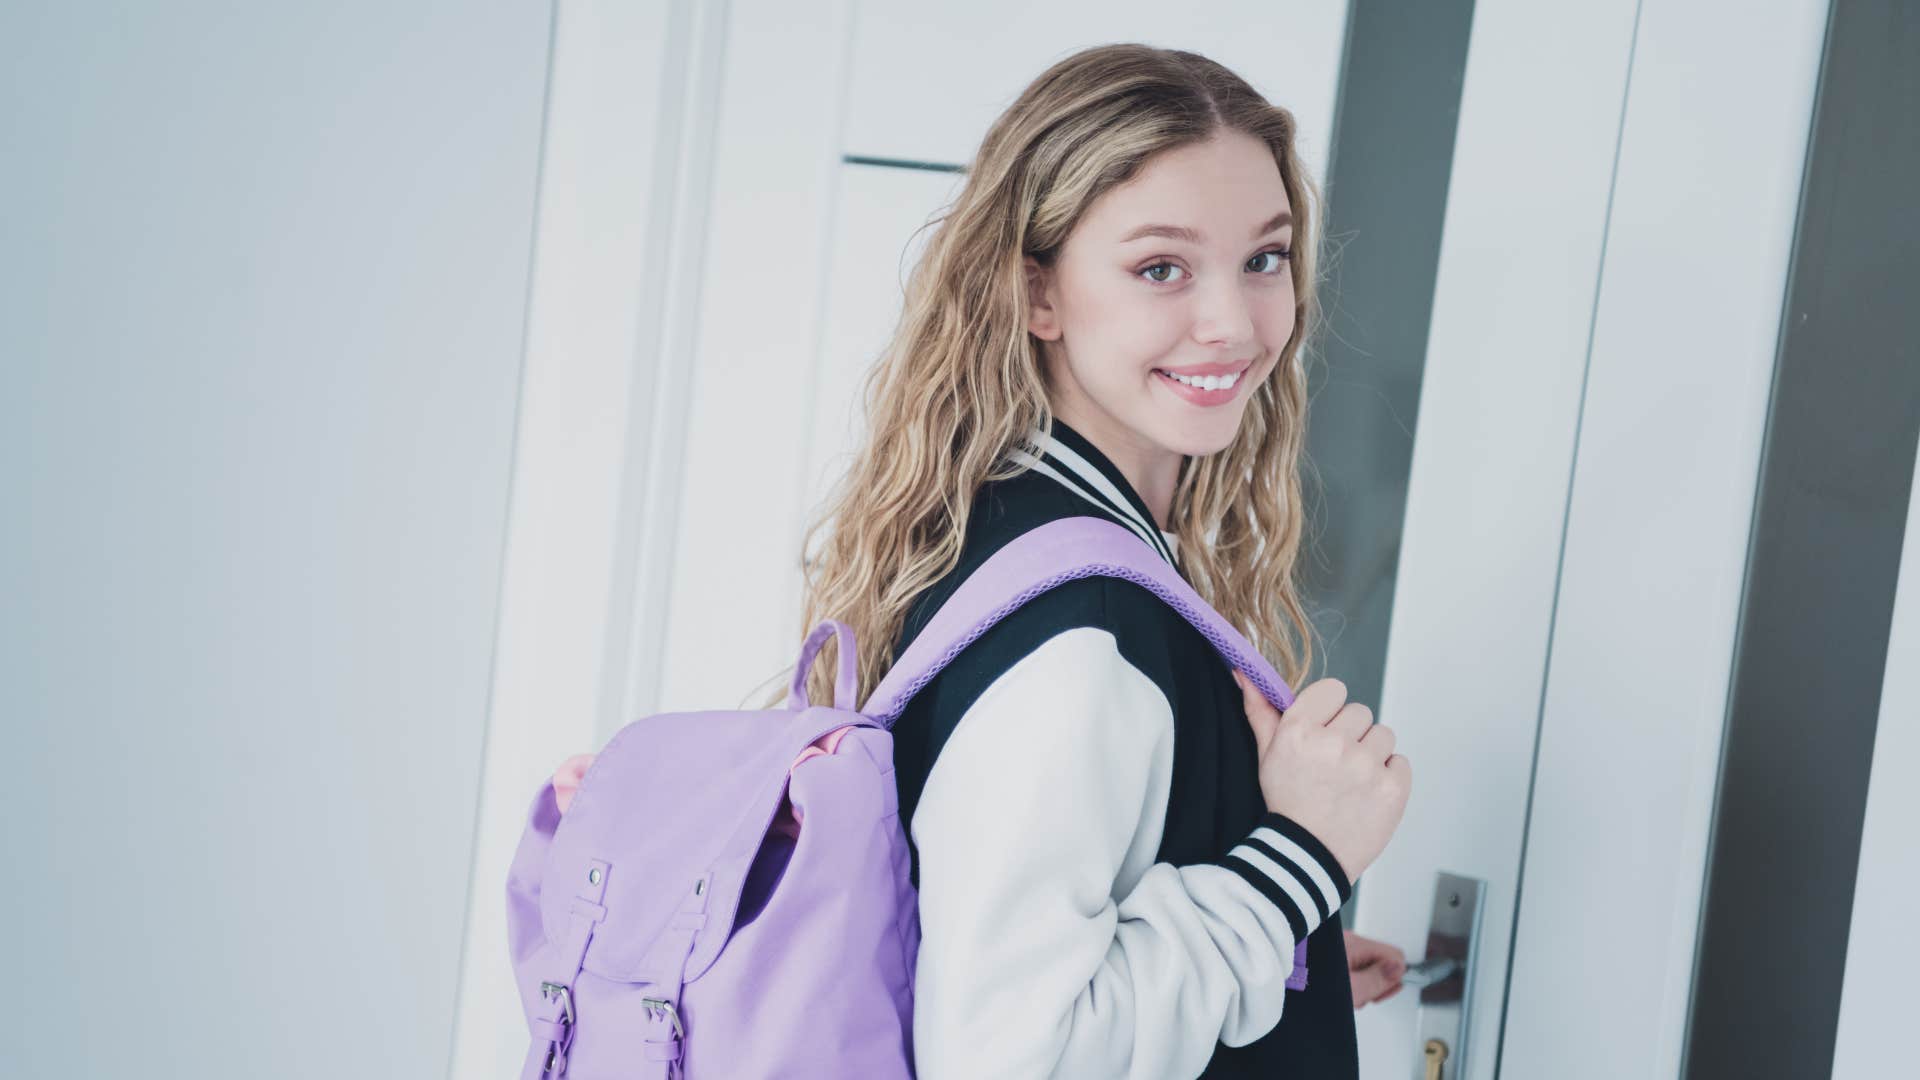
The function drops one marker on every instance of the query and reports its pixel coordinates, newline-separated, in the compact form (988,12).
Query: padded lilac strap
(1053,554)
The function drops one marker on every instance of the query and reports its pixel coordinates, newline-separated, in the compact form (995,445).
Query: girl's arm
(1036,957)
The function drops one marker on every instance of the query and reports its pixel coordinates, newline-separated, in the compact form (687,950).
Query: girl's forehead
(1221,189)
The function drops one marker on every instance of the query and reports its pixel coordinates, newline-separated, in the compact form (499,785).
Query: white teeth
(1206,382)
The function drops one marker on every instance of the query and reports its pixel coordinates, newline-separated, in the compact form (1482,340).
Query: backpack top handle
(846,682)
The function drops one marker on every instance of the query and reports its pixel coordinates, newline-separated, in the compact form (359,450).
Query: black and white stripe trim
(1293,869)
(1050,457)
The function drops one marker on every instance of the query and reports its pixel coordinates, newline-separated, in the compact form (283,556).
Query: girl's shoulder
(1147,632)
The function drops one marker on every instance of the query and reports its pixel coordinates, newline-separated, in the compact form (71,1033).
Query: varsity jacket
(1102,891)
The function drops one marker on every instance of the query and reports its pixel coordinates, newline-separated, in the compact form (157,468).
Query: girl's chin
(1195,432)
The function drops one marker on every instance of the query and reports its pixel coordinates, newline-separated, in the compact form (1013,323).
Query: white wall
(1883,944)
(263,271)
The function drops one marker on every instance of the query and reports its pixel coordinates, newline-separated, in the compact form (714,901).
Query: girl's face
(1184,269)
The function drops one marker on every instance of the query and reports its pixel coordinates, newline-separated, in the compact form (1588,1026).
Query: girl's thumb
(1255,704)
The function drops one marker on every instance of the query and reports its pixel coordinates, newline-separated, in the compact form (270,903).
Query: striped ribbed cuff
(1292,868)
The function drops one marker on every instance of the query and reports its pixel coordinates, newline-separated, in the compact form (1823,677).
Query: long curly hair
(960,381)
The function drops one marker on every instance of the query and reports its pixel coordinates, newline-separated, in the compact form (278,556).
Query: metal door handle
(1429,971)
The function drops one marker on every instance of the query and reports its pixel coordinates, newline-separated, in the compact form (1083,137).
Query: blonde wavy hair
(961,379)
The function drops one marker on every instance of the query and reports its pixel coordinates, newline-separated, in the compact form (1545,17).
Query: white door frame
(1522,242)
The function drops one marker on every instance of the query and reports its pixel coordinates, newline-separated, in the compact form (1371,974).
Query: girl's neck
(1152,471)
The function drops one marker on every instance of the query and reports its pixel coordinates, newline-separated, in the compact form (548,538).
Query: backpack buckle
(660,1005)
(562,993)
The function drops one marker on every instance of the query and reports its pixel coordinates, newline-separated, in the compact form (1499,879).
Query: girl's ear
(1042,322)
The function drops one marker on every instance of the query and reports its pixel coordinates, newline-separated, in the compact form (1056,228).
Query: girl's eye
(1281,256)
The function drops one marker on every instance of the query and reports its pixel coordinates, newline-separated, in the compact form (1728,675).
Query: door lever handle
(1429,971)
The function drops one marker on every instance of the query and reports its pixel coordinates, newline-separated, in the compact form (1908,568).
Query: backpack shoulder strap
(1048,555)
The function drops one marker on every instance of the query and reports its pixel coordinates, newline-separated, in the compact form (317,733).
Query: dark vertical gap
(1836,476)
(902,163)
(1389,162)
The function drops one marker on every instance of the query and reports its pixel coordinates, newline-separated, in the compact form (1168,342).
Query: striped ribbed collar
(1069,459)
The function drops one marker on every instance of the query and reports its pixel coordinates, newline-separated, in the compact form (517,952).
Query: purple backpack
(727,895)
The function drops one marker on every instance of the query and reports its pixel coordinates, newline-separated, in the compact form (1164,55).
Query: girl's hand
(1374,968)
(1327,765)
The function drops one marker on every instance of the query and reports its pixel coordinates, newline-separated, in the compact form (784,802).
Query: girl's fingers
(1368,987)
(1260,712)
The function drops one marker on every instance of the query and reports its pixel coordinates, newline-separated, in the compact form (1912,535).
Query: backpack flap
(1039,559)
(673,809)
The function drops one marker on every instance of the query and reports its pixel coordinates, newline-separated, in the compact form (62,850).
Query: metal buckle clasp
(557,1050)
(660,1005)
(561,992)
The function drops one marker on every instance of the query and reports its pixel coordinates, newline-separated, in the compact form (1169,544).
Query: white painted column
(621,185)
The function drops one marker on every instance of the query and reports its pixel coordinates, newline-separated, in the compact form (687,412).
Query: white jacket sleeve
(1051,944)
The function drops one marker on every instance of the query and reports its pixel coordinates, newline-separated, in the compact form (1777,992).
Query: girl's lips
(1197,395)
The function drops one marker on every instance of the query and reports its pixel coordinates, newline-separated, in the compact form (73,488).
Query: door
(1606,308)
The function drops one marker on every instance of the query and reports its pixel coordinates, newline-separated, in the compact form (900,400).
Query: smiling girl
(1119,846)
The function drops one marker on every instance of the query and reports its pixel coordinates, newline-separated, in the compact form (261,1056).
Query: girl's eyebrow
(1192,236)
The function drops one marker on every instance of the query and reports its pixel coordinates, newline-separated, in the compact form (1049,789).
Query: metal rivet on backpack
(593,876)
